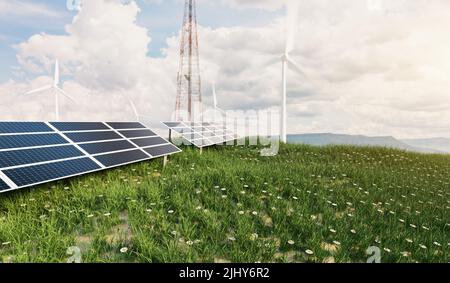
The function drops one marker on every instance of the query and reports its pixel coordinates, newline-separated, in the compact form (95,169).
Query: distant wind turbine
(216,107)
(292,8)
(55,89)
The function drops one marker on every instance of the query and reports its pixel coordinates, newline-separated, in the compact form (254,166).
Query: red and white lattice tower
(189,94)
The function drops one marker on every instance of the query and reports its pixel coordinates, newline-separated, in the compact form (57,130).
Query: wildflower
(124,250)
(107,214)
(437,244)
(409,241)
(296,198)
(241,212)
(387,250)
(90,216)
(337,243)
(232,239)
(401,220)
(309,252)
(423,246)
(353,231)
(255,213)
(253,236)
(174,233)
(170,211)
(224,196)
(6,243)
(413,226)
(291,242)
(332,231)
(149,210)
(189,243)
(405,254)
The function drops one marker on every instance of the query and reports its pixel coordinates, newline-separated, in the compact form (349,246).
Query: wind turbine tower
(189,96)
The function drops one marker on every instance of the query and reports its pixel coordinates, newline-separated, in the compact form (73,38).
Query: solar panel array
(202,134)
(33,153)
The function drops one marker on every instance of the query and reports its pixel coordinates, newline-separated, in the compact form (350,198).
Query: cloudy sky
(372,67)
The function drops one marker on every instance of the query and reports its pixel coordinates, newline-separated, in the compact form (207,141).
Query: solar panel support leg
(165,161)
(170,135)
(201,150)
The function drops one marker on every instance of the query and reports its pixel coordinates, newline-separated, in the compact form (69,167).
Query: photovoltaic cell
(68,149)
(51,171)
(102,147)
(162,150)
(138,133)
(93,136)
(37,155)
(149,141)
(114,159)
(202,134)
(126,125)
(3,186)
(20,141)
(23,127)
(79,126)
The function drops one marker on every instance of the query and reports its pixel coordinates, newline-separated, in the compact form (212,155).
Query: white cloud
(370,72)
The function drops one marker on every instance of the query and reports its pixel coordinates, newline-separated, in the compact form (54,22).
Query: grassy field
(307,204)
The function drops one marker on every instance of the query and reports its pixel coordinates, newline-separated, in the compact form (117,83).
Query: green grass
(231,204)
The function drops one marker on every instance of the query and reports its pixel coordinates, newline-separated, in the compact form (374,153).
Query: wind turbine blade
(56,79)
(293,66)
(65,94)
(41,89)
(133,106)
(214,95)
(292,14)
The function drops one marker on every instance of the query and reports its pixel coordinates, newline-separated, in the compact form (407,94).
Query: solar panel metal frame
(203,129)
(7,184)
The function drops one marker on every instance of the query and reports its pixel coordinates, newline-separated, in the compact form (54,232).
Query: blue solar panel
(20,141)
(3,186)
(138,133)
(102,147)
(126,125)
(79,126)
(201,134)
(23,127)
(36,174)
(149,141)
(36,155)
(93,136)
(162,150)
(114,159)
(30,156)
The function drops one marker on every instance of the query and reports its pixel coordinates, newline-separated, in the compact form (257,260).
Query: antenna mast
(189,96)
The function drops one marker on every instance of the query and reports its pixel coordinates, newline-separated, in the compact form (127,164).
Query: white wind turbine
(292,8)
(216,107)
(55,89)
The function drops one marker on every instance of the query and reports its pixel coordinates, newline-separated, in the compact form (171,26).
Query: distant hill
(359,140)
(440,144)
